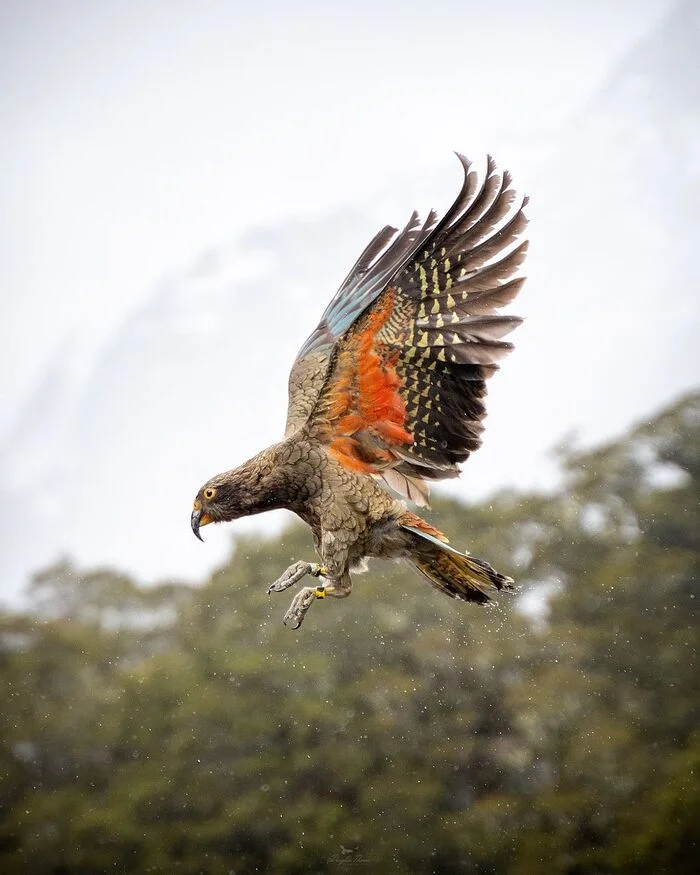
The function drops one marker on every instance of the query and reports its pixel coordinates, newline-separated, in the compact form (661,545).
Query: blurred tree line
(184,729)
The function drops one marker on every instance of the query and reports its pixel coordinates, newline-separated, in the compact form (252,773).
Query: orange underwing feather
(410,519)
(366,410)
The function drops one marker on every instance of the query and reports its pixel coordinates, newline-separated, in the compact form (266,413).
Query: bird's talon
(292,619)
(292,575)
(301,604)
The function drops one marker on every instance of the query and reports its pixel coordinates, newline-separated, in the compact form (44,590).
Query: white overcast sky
(135,135)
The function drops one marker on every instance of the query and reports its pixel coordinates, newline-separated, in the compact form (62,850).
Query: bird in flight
(387,394)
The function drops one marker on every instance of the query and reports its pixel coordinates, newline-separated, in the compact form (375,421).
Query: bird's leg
(337,587)
(294,574)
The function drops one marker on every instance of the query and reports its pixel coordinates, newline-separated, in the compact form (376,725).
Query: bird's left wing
(393,378)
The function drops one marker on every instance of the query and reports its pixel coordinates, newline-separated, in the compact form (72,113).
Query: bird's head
(262,483)
(218,501)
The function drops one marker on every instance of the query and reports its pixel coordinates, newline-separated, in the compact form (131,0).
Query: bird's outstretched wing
(393,377)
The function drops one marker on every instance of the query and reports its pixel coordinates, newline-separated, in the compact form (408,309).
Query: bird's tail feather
(458,575)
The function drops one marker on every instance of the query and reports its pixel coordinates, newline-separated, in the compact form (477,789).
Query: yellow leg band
(320,592)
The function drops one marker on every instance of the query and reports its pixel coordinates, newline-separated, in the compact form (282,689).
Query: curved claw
(299,606)
(294,574)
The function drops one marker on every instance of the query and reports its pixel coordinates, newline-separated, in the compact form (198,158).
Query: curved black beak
(195,521)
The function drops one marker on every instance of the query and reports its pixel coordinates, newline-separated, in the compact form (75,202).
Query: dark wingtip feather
(465,162)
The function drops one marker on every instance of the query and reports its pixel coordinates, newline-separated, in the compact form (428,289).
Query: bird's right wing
(399,393)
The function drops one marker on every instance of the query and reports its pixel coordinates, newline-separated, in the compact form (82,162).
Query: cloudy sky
(173,173)
(138,134)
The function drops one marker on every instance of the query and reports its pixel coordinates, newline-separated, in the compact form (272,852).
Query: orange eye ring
(209,493)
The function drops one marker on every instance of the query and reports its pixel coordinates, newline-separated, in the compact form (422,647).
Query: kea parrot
(387,394)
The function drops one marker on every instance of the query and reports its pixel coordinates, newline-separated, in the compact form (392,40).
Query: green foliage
(177,729)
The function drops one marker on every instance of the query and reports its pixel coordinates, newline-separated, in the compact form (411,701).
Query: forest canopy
(176,728)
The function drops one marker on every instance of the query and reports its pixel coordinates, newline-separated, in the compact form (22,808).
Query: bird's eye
(209,493)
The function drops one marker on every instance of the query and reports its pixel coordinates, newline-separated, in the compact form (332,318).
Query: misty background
(183,188)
